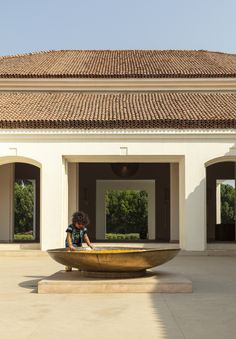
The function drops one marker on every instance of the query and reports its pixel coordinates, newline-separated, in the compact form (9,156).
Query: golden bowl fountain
(113,261)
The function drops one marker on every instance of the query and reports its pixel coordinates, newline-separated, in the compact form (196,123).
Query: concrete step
(152,282)
(20,246)
(22,253)
(222,252)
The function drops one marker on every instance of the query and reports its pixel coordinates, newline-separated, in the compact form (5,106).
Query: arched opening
(19,201)
(221,201)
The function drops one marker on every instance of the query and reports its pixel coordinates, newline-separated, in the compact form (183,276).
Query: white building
(67,116)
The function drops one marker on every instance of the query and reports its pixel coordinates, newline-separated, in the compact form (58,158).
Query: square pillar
(73,189)
(193,204)
(54,202)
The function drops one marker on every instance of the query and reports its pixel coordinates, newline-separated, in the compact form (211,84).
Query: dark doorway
(221,202)
(89,173)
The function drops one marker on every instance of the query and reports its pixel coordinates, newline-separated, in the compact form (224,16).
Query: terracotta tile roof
(119,64)
(117,110)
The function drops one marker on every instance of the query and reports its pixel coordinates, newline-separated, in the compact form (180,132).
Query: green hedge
(22,236)
(121,236)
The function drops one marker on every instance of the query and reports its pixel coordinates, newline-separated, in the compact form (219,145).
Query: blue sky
(33,25)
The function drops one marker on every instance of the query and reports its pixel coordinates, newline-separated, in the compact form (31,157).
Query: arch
(16,158)
(220,176)
(23,171)
(225,158)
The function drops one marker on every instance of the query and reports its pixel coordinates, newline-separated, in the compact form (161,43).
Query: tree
(24,206)
(227,204)
(126,211)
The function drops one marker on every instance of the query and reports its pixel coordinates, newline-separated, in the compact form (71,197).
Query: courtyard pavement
(209,312)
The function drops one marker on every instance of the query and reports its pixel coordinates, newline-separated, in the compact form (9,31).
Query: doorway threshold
(19,246)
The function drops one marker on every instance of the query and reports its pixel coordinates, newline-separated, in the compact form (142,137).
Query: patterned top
(77,235)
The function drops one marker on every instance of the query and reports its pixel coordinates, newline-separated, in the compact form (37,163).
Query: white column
(174,202)
(72,189)
(218,202)
(193,229)
(54,202)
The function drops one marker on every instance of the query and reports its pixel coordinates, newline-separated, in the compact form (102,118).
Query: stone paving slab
(208,313)
(152,282)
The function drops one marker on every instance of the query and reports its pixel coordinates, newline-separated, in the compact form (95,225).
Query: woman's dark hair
(80,218)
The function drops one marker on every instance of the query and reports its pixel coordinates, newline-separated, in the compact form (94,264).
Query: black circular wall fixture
(124,170)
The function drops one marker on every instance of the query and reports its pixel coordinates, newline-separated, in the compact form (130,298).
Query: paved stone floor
(209,312)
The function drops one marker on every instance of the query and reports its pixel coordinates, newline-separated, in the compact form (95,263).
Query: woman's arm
(69,241)
(86,238)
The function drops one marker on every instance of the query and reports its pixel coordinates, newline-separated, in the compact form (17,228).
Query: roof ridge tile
(119,64)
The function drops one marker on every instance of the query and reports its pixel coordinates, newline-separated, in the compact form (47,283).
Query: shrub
(23,236)
(121,236)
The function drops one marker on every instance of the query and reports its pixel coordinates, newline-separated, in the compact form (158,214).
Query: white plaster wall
(52,153)
(43,148)
(6,202)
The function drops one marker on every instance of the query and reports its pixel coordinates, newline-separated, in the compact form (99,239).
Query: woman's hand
(72,248)
(86,238)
